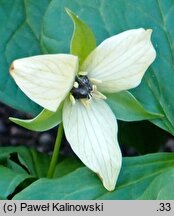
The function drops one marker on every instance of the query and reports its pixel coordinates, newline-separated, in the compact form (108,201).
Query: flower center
(82,87)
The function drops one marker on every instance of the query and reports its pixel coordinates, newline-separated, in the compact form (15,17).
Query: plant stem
(55,152)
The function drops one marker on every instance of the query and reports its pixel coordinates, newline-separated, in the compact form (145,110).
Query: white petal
(92,134)
(46,79)
(121,61)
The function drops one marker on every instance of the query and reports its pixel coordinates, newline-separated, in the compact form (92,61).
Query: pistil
(83,90)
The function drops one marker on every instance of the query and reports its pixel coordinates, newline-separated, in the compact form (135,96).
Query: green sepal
(83,40)
(127,108)
(45,120)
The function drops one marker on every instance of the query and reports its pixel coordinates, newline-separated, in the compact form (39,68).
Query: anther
(83,73)
(95,81)
(94,88)
(72,99)
(76,85)
(99,95)
(85,102)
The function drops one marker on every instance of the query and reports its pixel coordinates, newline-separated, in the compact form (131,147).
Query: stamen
(94,88)
(95,81)
(89,97)
(96,93)
(85,102)
(72,99)
(76,85)
(99,95)
(83,73)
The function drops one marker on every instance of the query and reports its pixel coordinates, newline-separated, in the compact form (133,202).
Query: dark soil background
(14,135)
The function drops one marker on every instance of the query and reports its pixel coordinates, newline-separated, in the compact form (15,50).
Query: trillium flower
(90,126)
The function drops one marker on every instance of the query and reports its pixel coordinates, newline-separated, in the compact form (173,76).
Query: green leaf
(34,162)
(127,108)
(20,37)
(9,181)
(83,39)
(66,166)
(19,167)
(137,178)
(160,188)
(44,121)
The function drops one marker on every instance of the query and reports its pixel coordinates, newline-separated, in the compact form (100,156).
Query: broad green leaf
(160,188)
(9,180)
(66,166)
(127,108)
(37,163)
(14,165)
(105,18)
(34,162)
(137,178)
(83,39)
(80,184)
(20,24)
(19,167)
(42,122)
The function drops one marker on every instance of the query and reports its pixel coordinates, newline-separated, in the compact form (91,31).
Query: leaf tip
(72,15)
(69,12)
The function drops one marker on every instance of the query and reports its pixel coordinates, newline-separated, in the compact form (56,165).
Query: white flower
(117,64)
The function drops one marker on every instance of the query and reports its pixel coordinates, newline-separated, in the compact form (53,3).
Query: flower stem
(55,152)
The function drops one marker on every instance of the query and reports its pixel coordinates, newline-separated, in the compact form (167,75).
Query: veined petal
(46,79)
(121,61)
(92,134)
